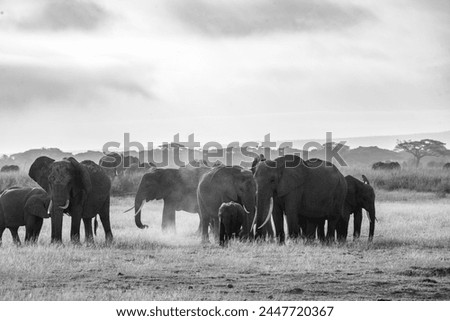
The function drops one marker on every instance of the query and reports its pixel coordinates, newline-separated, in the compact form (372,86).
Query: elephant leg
(1,234)
(168,218)
(216,229)
(15,235)
(302,223)
(292,222)
(205,227)
(331,230)
(357,220)
(321,230)
(342,228)
(222,235)
(87,222)
(37,229)
(75,229)
(28,233)
(277,214)
(199,230)
(104,218)
(311,226)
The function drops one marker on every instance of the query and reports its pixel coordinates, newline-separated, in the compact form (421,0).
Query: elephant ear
(37,205)
(82,174)
(40,170)
(291,174)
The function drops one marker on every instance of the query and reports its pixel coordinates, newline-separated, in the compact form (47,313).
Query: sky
(78,74)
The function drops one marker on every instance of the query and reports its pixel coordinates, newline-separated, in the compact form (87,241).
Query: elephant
(139,168)
(177,187)
(221,185)
(386,166)
(360,195)
(9,168)
(447,166)
(307,192)
(115,164)
(78,189)
(23,207)
(231,219)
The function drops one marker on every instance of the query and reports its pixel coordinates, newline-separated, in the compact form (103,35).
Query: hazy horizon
(76,74)
(387,142)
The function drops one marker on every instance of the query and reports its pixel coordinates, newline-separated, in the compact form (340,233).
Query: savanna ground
(408,260)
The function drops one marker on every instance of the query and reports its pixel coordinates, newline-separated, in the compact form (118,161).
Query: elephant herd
(230,200)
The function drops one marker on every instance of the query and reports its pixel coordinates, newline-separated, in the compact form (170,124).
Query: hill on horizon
(385,142)
(360,156)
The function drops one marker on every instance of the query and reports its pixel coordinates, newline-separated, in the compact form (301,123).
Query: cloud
(242,18)
(58,15)
(22,85)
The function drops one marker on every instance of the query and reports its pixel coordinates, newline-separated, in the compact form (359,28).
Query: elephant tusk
(50,207)
(245,209)
(65,205)
(253,223)
(128,210)
(267,220)
(140,208)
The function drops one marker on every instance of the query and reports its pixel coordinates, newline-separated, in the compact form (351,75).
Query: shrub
(126,184)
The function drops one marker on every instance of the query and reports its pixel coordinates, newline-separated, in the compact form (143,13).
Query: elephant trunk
(57,221)
(372,219)
(139,202)
(60,203)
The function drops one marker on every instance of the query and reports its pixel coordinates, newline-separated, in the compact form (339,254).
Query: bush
(126,184)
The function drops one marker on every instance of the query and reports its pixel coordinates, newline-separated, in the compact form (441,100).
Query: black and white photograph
(225,150)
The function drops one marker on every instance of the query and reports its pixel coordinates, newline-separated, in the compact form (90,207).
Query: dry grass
(435,180)
(408,260)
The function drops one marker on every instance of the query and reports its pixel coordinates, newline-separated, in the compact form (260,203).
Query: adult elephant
(23,207)
(110,162)
(177,187)
(115,164)
(360,195)
(137,168)
(222,185)
(312,189)
(80,190)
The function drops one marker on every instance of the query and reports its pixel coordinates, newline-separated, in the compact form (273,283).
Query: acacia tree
(422,148)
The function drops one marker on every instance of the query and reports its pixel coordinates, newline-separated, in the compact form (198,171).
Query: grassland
(408,260)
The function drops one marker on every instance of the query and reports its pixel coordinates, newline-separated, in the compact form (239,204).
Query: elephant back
(99,179)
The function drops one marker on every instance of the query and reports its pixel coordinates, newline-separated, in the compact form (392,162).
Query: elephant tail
(95,225)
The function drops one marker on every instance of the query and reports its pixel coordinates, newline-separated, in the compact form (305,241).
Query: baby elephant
(231,218)
(23,207)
